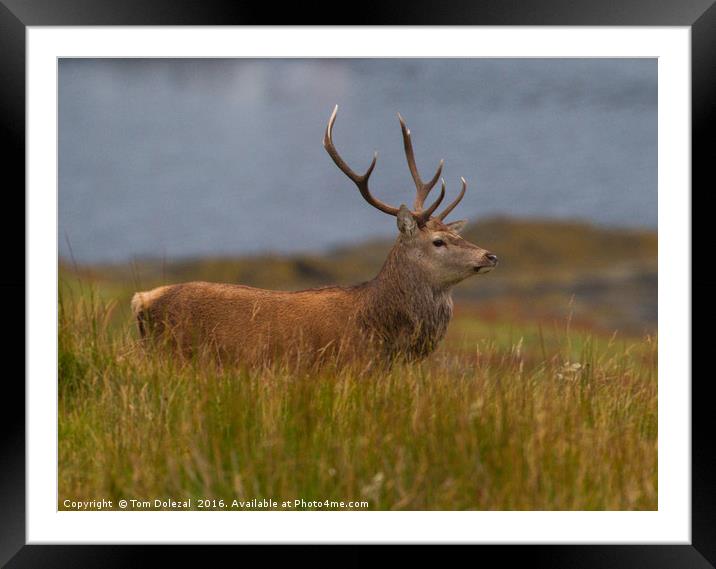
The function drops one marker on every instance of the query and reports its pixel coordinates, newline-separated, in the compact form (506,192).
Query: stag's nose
(492,257)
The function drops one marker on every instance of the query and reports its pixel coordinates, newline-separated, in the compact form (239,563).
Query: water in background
(186,157)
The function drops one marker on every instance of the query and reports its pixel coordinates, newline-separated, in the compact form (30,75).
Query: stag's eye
(439,243)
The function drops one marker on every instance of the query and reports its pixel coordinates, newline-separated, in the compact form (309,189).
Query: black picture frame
(16,15)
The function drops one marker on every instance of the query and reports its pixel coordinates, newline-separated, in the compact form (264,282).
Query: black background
(15,15)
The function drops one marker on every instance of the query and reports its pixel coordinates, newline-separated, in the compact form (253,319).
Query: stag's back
(245,324)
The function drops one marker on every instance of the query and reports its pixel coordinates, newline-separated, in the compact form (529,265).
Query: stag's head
(434,245)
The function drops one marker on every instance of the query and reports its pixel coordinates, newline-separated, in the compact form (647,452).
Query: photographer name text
(213,504)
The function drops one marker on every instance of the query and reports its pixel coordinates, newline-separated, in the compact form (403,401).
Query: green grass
(505,416)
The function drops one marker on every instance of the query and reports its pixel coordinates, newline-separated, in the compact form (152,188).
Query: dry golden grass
(502,417)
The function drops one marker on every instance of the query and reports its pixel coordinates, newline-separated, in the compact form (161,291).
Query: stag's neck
(402,282)
(404,309)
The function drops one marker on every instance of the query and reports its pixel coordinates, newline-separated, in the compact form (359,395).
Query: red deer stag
(403,312)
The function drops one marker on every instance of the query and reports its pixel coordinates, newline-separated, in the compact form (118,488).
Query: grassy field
(509,414)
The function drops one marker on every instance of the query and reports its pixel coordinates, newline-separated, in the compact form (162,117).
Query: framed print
(238,335)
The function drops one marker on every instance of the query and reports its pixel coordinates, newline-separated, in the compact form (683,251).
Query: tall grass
(501,418)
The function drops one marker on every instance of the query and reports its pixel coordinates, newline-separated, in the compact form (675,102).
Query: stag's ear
(457,226)
(406,222)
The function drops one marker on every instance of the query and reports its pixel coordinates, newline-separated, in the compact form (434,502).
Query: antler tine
(360,180)
(454,203)
(424,216)
(422,188)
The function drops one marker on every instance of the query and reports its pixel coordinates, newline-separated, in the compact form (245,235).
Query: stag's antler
(420,214)
(360,180)
(457,200)
(422,189)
